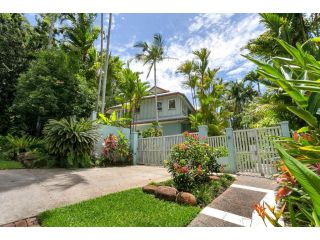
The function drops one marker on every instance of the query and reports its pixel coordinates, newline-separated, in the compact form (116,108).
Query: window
(172,104)
(159,105)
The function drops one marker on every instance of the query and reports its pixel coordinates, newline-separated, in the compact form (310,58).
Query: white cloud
(223,34)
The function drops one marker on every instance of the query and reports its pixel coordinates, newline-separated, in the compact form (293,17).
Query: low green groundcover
(130,208)
(10,165)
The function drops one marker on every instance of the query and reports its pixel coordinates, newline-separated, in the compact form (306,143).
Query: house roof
(159,90)
(161,95)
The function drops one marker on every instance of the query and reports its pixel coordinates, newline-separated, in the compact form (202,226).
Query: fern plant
(71,141)
(18,145)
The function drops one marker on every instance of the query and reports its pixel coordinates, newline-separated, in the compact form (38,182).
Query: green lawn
(10,165)
(130,208)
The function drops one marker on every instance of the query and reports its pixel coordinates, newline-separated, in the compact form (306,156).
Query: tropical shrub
(71,141)
(153,131)
(298,77)
(298,195)
(113,121)
(115,150)
(192,162)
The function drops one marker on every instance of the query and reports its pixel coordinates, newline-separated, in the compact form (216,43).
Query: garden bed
(205,193)
(130,208)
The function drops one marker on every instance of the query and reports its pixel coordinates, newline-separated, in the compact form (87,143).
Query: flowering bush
(115,150)
(192,162)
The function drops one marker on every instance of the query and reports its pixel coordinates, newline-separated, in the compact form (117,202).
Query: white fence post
(285,128)
(203,132)
(231,150)
(134,147)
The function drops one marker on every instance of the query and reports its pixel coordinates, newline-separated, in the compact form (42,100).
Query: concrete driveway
(28,192)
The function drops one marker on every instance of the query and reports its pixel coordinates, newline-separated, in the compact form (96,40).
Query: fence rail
(154,150)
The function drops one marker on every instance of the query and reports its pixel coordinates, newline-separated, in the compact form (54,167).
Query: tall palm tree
(238,95)
(131,91)
(101,63)
(151,54)
(186,69)
(106,66)
(201,65)
(80,33)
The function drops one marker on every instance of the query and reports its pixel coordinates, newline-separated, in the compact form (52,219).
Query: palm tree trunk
(106,67)
(100,74)
(52,22)
(155,90)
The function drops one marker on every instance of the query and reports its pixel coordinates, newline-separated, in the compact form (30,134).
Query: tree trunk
(52,22)
(101,60)
(155,90)
(106,67)
(259,90)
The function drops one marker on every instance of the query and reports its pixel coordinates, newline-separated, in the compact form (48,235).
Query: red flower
(184,169)
(307,137)
(295,136)
(282,192)
(196,137)
(176,166)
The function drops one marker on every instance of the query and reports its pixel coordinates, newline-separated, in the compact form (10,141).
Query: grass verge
(10,165)
(130,208)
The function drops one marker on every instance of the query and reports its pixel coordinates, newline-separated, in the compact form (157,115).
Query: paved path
(235,207)
(28,192)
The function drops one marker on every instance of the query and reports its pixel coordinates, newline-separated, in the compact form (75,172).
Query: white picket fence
(255,152)
(154,150)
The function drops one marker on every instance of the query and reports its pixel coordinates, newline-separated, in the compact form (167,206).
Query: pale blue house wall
(167,128)
(104,131)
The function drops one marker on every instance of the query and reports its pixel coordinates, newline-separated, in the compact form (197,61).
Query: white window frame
(175,104)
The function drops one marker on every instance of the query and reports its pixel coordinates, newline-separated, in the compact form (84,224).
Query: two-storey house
(173,111)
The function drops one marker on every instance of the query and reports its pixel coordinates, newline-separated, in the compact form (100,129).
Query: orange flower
(260,209)
(282,192)
(295,136)
(186,134)
(307,137)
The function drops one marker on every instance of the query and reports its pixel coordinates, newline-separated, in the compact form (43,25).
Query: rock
(186,198)
(150,189)
(214,178)
(27,158)
(166,193)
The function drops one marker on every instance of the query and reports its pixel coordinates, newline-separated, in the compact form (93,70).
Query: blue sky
(223,34)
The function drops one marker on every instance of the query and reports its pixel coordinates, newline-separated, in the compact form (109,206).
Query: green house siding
(167,128)
(172,129)
(147,108)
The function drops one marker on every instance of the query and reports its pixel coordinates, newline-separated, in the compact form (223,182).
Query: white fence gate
(154,150)
(255,153)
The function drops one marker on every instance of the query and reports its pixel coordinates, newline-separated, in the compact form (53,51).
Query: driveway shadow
(51,178)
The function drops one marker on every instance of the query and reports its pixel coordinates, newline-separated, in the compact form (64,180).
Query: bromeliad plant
(191,163)
(71,141)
